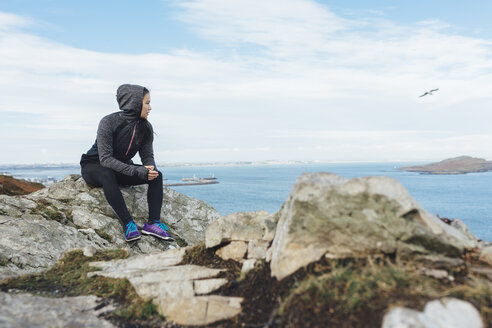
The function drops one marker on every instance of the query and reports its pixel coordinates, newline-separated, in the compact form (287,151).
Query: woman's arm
(146,151)
(105,150)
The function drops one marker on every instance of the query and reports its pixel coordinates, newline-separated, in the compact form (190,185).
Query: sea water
(265,187)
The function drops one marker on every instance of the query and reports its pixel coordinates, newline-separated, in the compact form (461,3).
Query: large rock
(187,217)
(24,310)
(242,226)
(36,229)
(443,313)
(328,215)
(30,245)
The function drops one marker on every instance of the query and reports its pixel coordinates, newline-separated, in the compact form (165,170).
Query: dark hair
(150,130)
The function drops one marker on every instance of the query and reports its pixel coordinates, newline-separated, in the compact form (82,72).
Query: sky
(250,80)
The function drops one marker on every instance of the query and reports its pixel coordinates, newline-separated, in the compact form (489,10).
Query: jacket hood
(130,97)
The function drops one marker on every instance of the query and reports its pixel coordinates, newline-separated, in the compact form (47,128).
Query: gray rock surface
(25,310)
(486,254)
(32,245)
(36,229)
(461,226)
(242,226)
(327,215)
(443,313)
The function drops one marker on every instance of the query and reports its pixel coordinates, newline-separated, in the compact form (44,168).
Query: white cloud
(284,79)
(272,24)
(11,21)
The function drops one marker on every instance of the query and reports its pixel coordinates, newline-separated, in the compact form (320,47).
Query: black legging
(98,176)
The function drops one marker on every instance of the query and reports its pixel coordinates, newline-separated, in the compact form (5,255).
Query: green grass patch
(181,242)
(51,214)
(194,254)
(69,278)
(104,235)
(358,293)
(3,260)
(46,210)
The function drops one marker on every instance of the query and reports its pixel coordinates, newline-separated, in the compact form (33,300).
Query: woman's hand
(152,174)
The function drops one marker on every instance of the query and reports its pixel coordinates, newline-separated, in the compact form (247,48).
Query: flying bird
(429,92)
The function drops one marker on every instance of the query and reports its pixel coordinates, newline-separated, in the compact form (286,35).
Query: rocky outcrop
(24,310)
(38,228)
(443,313)
(327,215)
(12,187)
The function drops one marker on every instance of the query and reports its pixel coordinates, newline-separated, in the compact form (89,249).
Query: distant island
(455,165)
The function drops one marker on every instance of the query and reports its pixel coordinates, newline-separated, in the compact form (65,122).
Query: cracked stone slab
(199,310)
(206,286)
(147,262)
(176,273)
(164,283)
(163,289)
(26,310)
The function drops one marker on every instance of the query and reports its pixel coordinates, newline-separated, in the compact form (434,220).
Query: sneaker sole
(156,235)
(135,238)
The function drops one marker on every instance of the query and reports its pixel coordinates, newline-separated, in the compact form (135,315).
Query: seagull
(428,92)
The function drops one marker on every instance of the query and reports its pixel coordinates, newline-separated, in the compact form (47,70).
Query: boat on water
(194,181)
(212,177)
(190,179)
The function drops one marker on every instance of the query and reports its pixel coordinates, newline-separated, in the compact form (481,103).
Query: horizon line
(242,162)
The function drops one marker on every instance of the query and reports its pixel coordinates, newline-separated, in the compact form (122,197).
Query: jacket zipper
(133,136)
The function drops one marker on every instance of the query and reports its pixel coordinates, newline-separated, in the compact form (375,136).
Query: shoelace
(130,227)
(161,225)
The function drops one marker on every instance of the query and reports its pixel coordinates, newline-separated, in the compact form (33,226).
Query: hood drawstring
(133,136)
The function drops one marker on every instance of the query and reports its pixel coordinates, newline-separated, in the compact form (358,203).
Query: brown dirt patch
(13,187)
(199,255)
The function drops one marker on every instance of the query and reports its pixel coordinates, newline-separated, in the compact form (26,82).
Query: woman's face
(146,106)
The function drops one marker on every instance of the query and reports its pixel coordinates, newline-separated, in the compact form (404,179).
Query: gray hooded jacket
(122,134)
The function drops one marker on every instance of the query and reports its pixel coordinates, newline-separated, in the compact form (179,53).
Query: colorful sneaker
(158,229)
(131,231)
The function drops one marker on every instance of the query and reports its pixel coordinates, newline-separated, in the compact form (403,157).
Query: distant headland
(455,165)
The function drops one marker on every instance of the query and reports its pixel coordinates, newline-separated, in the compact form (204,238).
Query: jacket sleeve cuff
(142,172)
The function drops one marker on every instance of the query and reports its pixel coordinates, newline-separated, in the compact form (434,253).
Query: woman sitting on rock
(108,163)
